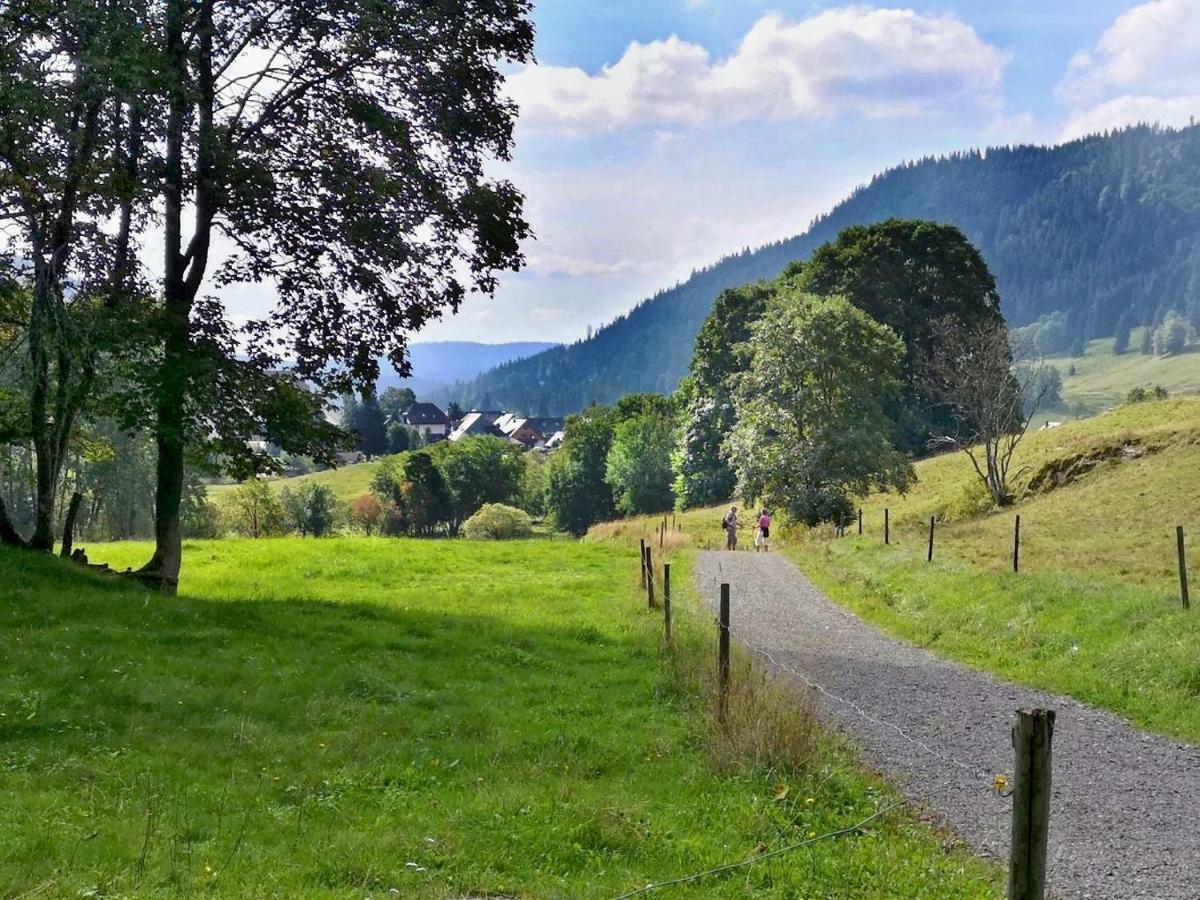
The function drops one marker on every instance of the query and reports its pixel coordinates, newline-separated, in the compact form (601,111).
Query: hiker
(762,539)
(730,524)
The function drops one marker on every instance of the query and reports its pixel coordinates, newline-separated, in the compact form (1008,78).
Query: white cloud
(1143,69)
(578,266)
(879,63)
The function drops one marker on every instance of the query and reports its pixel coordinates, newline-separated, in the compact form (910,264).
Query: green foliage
(1145,394)
(1048,336)
(366,513)
(400,438)
(533,484)
(577,492)
(497,522)
(907,275)
(395,402)
(703,475)
(1122,334)
(638,465)
(311,509)
(414,493)
(254,511)
(364,418)
(199,517)
(478,470)
(1043,386)
(811,425)
(1173,335)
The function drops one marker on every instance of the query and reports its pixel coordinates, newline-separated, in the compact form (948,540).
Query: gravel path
(1125,810)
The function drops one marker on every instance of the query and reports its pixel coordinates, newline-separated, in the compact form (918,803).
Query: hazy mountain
(436,365)
(1097,228)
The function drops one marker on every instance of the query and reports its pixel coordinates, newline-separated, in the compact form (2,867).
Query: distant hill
(1095,228)
(439,364)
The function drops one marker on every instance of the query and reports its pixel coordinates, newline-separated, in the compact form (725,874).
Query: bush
(254,511)
(311,509)
(497,522)
(366,513)
(1144,394)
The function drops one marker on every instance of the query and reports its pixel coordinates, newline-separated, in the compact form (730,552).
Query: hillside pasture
(358,717)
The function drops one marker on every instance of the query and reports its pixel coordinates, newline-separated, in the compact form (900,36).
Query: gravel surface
(1125,806)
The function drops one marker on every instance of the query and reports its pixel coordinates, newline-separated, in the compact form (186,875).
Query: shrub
(497,522)
(366,514)
(254,511)
(311,509)
(1143,394)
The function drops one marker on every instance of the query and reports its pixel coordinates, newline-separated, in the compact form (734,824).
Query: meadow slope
(365,717)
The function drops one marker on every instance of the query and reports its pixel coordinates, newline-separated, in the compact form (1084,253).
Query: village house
(428,420)
(528,431)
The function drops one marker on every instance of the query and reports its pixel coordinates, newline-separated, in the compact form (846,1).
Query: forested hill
(1095,228)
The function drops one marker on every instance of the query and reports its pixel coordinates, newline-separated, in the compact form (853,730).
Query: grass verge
(1112,644)
(356,717)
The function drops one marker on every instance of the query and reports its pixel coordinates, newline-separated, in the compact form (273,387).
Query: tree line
(336,153)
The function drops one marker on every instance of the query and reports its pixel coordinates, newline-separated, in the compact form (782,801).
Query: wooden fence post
(1017,545)
(1032,737)
(643,555)
(723,656)
(667,603)
(887,533)
(860,520)
(649,579)
(1183,580)
(929,555)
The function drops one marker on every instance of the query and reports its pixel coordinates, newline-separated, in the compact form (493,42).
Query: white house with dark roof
(429,420)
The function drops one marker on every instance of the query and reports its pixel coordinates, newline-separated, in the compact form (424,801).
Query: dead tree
(991,401)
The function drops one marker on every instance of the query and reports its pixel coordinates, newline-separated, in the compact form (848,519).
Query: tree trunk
(182,276)
(68,538)
(8,533)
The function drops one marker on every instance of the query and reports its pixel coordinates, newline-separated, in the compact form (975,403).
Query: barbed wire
(728,867)
(981,772)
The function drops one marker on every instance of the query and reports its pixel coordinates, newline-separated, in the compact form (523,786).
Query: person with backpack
(763,537)
(730,524)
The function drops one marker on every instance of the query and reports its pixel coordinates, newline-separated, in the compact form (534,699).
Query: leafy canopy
(811,424)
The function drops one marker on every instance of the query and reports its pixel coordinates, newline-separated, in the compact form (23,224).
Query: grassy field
(1102,380)
(347,482)
(1095,610)
(364,717)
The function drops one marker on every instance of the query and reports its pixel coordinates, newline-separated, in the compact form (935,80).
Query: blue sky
(659,135)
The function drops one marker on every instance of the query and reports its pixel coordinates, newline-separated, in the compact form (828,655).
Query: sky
(657,136)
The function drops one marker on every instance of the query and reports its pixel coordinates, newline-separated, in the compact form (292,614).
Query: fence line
(718,870)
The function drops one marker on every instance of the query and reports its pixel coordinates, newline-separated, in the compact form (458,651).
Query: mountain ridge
(1096,228)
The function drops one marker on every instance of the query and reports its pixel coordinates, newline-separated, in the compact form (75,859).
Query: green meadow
(359,717)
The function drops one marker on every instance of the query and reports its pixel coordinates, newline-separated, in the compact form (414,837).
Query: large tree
(906,274)
(811,424)
(339,149)
(703,475)
(638,465)
(74,78)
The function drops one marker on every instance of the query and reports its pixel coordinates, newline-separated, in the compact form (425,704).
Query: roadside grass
(1095,611)
(365,717)
(1114,488)
(1116,646)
